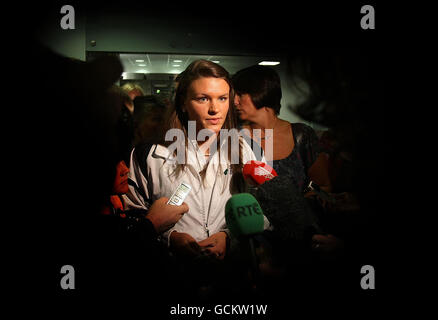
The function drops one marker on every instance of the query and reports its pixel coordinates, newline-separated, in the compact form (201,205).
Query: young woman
(204,100)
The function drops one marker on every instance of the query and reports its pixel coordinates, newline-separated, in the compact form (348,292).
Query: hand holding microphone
(164,216)
(285,207)
(244,218)
(281,201)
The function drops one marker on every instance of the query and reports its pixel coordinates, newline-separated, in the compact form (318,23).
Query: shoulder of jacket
(160,151)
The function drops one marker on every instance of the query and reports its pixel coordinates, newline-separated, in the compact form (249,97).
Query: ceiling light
(141,71)
(142,65)
(177,60)
(139,60)
(269,63)
(176,65)
(216,61)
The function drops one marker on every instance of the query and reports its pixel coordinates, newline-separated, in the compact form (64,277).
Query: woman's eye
(202,99)
(223,98)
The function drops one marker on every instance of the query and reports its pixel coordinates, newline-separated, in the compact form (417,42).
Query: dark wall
(222,28)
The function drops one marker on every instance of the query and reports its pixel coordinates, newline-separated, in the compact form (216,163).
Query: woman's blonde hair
(130,86)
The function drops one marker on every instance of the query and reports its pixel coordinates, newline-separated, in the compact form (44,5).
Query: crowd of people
(109,215)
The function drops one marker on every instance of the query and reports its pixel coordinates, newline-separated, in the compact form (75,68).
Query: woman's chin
(215,128)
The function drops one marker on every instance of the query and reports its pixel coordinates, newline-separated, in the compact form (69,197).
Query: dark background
(324,33)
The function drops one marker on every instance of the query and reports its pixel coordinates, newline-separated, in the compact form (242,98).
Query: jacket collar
(161,152)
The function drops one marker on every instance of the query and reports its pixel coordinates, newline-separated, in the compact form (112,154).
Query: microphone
(286,208)
(253,174)
(257,172)
(244,218)
(281,202)
(243,215)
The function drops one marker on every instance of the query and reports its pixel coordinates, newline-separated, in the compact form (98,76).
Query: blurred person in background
(149,116)
(133,90)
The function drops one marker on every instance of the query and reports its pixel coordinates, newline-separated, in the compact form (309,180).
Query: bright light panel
(269,63)
(139,60)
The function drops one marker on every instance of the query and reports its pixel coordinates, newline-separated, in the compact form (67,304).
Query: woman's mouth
(213,120)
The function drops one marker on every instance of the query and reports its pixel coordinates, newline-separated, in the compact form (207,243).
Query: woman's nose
(213,109)
(236,100)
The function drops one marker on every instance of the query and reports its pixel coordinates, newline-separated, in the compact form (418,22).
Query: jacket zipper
(205,218)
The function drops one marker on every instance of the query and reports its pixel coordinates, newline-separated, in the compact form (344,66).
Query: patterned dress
(282,198)
(303,155)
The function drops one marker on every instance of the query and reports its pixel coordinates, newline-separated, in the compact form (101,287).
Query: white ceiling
(165,63)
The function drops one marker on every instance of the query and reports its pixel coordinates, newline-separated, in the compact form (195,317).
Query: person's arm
(162,215)
(183,244)
(151,223)
(315,160)
(138,194)
(319,172)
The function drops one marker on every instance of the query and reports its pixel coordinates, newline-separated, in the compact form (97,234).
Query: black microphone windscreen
(285,207)
(238,184)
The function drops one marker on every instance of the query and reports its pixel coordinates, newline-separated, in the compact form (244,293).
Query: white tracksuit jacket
(206,200)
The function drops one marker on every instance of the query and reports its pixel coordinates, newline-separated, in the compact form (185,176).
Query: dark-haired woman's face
(245,108)
(207,103)
(121,181)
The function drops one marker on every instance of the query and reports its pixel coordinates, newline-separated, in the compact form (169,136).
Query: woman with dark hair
(203,103)
(149,116)
(295,148)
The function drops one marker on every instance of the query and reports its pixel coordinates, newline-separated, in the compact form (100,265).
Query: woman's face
(121,181)
(207,103)
(151,124)
(246,109)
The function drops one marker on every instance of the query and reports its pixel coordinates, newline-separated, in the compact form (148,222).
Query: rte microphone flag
(258,172)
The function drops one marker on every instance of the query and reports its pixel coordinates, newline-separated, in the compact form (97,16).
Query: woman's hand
(184,244)
(215,245)
(164,216)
